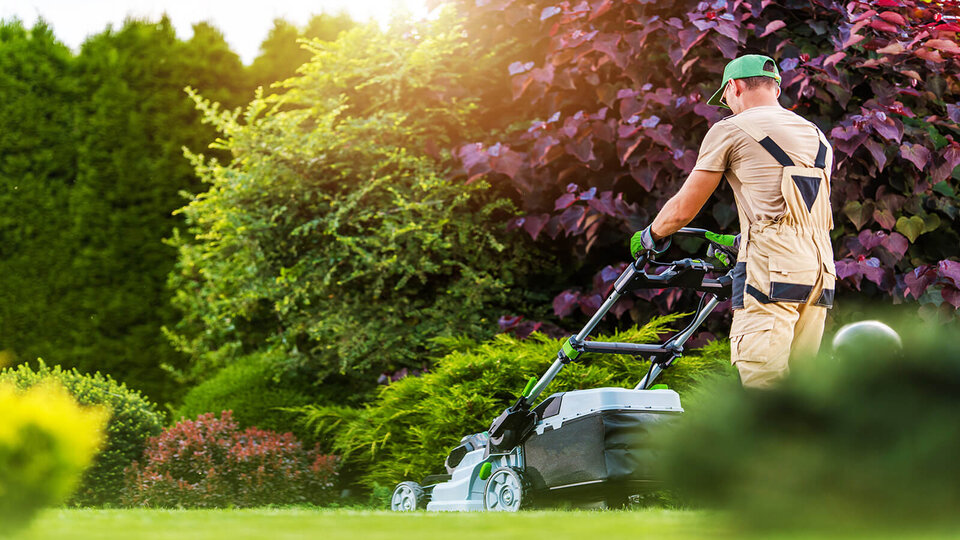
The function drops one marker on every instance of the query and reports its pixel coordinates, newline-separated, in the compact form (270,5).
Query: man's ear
(739,87)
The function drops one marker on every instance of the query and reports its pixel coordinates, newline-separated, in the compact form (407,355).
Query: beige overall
(784,280)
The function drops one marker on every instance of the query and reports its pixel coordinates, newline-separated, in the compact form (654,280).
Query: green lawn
(353,524)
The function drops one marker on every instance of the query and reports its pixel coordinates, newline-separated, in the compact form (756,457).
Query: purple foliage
(622,86)
(516,325)
(390,377)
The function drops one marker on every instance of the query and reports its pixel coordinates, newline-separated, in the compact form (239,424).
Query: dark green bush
(407,431)
(252,389)
(861,441)
(90,172)
(132,420)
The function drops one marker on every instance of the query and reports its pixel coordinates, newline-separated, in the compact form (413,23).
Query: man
(778,165)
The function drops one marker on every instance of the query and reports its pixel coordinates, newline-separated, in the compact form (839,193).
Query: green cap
(750,65)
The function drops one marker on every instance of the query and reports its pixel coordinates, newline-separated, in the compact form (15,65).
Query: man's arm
(684,206)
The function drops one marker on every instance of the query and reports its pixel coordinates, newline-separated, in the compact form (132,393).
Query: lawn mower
(584,446)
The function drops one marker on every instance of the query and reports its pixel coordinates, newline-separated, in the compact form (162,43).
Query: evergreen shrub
(46,442)
(210,463)
(251,389)
(132,420)
(407,431)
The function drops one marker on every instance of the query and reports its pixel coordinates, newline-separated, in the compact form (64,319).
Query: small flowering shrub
(210,462)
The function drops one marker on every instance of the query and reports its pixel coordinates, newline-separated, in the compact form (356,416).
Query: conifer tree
(37,168)
(281,54)
(214,69)
(134,123)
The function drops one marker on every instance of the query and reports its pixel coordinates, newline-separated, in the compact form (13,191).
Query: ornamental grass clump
(211,463)
(133,419)
(47,440)
(407,431)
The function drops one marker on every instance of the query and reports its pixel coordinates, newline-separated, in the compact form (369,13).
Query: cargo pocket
(792,281)
(750,339)
(829,285)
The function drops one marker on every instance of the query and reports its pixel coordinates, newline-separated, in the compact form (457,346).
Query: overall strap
(801,186)
(821,162)
(765,141)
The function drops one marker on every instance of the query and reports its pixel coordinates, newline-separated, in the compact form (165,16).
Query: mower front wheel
(407,497)
(507,490)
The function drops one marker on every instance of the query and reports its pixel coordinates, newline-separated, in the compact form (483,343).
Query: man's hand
(642,242)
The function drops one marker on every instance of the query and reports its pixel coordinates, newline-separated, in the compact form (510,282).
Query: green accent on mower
(569,351)
(485,470)
(659,387)
(529,387)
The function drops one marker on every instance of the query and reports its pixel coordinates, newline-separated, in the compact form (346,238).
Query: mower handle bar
(712,288)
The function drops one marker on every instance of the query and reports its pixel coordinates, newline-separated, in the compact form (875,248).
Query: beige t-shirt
(752,172)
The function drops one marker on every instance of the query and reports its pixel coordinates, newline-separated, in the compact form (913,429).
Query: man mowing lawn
(778,164)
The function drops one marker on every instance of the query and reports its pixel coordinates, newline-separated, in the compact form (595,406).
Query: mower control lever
(685,273)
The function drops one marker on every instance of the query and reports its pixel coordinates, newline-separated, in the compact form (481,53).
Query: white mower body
(467,486)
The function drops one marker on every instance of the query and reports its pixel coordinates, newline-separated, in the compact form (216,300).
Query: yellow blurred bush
(47,440)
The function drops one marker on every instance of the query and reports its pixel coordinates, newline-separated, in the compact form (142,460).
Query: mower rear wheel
(407,497)
(507,490)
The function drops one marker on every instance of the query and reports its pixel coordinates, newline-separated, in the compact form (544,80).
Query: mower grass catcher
(584,446)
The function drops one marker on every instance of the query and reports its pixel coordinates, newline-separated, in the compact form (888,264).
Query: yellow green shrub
(47,440)
(407,431)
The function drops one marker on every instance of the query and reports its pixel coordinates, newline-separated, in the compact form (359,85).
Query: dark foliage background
(608,110)
(281,53)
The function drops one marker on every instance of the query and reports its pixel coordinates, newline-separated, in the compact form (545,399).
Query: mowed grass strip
(326,524)
(82,524)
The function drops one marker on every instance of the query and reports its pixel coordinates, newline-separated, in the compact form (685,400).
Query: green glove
(642,241)
(636,244)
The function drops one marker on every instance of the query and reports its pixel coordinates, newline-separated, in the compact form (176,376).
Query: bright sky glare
(244,24)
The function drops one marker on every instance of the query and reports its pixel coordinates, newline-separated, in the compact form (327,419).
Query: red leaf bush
(209,462)
(608,109)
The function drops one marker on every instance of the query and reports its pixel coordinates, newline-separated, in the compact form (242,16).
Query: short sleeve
(715,150)
(829,162)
